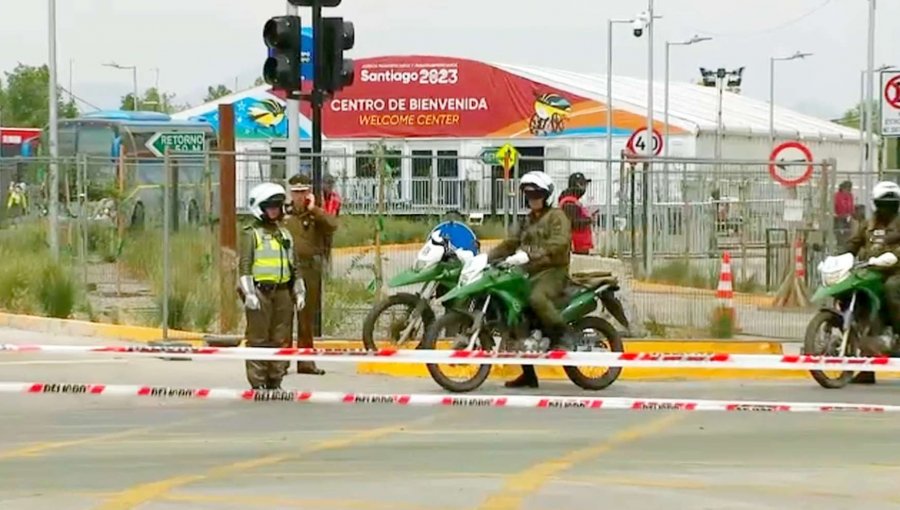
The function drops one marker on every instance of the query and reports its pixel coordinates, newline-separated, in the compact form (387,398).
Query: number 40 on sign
(637,142)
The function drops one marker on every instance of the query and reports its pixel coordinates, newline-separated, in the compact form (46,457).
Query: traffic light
(282,36)
(336,71)
(312,3)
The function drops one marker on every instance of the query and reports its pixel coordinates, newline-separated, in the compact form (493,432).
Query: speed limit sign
(637,142)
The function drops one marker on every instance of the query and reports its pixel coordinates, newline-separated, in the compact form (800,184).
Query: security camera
(640,23)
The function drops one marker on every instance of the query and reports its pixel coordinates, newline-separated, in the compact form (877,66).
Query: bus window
(95,140)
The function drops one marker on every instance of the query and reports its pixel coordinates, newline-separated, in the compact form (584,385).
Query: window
(365,163)
(367,182)
(448,177)
(95,139)
(422,164)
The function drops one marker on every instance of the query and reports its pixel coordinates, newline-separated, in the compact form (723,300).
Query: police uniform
(311,230)
(266,257)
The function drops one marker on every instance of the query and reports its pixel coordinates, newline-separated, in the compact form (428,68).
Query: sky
(196,43)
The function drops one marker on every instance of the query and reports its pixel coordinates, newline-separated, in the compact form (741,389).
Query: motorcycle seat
(593,280)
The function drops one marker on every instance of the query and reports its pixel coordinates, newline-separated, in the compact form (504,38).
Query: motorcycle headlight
(830,278)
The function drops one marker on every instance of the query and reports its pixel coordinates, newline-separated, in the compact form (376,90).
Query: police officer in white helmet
(269,283)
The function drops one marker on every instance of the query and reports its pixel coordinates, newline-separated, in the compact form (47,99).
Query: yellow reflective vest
(272,257)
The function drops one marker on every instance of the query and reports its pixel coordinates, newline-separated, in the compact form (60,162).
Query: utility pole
(54,138)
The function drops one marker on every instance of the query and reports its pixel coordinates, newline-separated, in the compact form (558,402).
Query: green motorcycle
(855,323)
(437,267)
(497,318)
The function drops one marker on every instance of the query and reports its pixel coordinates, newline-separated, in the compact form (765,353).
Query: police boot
(863,378)
(274,385)
(528,379)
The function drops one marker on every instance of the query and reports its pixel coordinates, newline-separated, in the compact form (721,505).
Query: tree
(153,100)
(213,93)
(25,100)
(851,117)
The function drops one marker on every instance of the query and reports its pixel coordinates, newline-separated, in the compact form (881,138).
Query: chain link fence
(661,227)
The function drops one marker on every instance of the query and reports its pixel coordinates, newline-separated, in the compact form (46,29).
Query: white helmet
(535,181)
(884,189)
(267,193)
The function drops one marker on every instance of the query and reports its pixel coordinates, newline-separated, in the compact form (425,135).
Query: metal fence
(666,222)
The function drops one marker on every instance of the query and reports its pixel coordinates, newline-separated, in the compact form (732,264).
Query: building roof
(692,107)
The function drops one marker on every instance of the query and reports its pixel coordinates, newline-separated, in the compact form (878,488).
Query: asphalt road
(118,453)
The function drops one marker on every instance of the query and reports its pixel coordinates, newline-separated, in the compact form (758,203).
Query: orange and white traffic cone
(725,318)
(799,262)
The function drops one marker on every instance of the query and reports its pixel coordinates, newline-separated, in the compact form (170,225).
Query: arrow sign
(176,142)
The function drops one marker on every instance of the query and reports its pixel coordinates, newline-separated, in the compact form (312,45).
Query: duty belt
(272,287)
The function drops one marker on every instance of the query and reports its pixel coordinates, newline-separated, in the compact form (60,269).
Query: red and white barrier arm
(434,400)
(552,358)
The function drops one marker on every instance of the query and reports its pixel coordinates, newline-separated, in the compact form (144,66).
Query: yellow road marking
(48,446)
(144,493)
(521,485)
(273,501)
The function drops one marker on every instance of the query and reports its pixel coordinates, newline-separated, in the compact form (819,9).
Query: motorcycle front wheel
(813,347)
(455,327)
(409,308)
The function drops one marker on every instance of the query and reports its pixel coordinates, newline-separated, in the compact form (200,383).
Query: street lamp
(134,98)
(716,78)
(609,112)
(862,111)
(772,61)
(693,40)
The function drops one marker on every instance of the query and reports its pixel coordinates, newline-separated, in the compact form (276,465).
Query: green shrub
(56,290)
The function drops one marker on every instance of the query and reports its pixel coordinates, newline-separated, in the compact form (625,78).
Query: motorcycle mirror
(887,259)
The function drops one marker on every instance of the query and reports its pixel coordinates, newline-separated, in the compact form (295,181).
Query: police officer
(875,237)
(269,283)
(545,236)
(311,228)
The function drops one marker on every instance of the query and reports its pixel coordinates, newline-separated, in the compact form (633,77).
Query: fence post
(120,219)
(167,207)
(81,195)
(381,170)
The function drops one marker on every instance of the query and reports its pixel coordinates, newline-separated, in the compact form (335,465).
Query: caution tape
(459,357)
(436,400)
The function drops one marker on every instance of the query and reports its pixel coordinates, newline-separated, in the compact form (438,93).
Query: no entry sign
(890,104)
(791,174)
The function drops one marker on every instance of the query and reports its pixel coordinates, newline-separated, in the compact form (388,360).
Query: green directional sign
(488,156)
(176,142)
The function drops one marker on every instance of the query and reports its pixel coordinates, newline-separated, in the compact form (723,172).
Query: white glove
(251,300)
(520,258)
(300,294)
(884,260)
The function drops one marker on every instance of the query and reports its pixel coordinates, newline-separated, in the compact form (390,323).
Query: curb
(760,300)
(94,329)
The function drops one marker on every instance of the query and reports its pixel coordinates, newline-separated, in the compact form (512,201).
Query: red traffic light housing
(282,68)
(336,71)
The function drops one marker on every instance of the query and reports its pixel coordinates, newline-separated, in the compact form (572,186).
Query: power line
(766,30)
(80,100)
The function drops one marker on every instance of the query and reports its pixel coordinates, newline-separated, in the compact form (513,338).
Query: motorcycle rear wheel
(456,322)
(810,347)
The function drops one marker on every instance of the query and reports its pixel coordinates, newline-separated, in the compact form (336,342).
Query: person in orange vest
(579,216)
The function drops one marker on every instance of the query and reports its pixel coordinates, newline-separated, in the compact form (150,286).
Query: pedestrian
(579,217)
(331,204)
(310,226)
(269,283)
(844,211)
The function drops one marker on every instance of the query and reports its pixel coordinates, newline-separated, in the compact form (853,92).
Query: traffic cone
(724,317)
(792,293)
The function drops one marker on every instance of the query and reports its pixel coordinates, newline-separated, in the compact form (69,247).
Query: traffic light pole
(317,100)
(292,159)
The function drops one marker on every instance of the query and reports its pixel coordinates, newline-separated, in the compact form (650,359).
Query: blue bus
(101,138)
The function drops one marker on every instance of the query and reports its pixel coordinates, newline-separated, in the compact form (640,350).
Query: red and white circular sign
(791,174)
(637,142)
(892,92)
